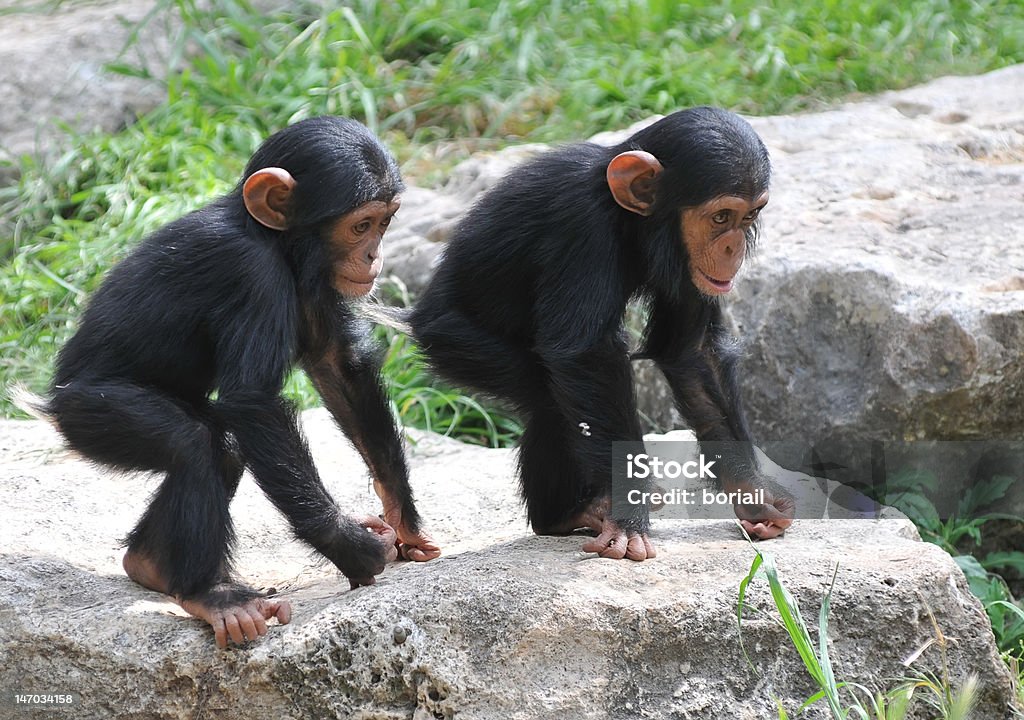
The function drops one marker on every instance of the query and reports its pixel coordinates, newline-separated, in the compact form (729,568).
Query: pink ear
(631,177)
(266,194)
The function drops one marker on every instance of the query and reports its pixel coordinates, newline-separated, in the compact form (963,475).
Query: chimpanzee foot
(235,615)
(235,612)
(615,543)
(611,540)
(418,546)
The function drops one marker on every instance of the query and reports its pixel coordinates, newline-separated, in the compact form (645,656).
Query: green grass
(947,699)
(438,80)
(436,69)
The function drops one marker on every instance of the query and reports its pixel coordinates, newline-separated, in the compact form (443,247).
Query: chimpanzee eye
(362,227)
(387,221)
(720,218)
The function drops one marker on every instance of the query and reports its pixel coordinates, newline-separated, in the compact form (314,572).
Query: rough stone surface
(415,238)
(887,299)
(52,70)
(504,625)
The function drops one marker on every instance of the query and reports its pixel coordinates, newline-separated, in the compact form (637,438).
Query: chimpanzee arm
(699,361)
(691,347)
(254,346)
(348,379)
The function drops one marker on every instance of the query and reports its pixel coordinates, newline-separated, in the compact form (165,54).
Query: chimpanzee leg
(557,498)
(231,462)
(549,481)
(470,356)
(186,532)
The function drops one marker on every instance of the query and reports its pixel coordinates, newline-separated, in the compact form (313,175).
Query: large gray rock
(887,299)
(415,238)
(52,70)
(504,625)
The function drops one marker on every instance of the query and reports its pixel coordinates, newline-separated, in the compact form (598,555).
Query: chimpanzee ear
(266,194)
(631,177)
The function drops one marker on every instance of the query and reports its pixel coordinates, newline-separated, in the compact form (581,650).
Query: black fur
(217,302)
(528,302)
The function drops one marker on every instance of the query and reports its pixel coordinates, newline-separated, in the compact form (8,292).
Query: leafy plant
(959,534)
(1003,611)
(420,400)
(858,701)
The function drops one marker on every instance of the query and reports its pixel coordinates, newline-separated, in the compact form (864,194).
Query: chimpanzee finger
(763,513)
(378,526)
(762,531)
(220,632)
(233,628)
(246,623)
(616,547)
(358,582)
(609,544)
(258,621)
(649,547)
(417,554)
(635,548)
(282,611)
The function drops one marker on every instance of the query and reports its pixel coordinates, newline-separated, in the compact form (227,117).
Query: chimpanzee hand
(417,546)
(770,518)
(384,532)
(361,566)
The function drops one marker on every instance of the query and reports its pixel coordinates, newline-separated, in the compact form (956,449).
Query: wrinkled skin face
(356,246)
(715,234)
(354,239)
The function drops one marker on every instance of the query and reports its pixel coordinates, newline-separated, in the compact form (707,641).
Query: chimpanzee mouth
(719,285)
(357,288)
